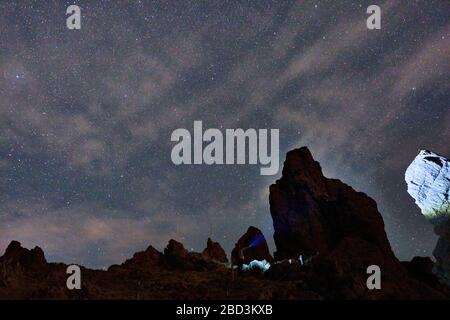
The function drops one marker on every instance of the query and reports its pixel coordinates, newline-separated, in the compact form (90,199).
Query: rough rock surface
(340,232)
(24,274)
(421,268)
(254,246)
(143,260)
(428,181)
(175,249)
(215,251)
(178,258)
(313,214)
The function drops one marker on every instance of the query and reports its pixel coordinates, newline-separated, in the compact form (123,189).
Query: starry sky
(86,115)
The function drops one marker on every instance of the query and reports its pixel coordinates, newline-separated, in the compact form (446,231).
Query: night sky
(86,115)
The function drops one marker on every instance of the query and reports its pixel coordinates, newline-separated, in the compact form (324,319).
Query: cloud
(90,232)
(427,67)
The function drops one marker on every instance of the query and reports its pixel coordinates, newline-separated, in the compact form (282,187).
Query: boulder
(18,263)
(339,232)
(253,245)
(428,182)
(442,265)
(175,249)
(215,252)
(177,257)
(19,257)
(421,268)
(144,261)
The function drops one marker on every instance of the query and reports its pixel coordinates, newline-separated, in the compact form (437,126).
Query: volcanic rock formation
(253,246)
(340,232)
(313,214)
(428,181)
(215,252)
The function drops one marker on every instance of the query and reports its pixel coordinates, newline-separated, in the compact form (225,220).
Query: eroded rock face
(428,181)
(313,214)
(18,258)
(253,245)
(143,260)
(215,251)
(149,274)
(339,231)
(19,264)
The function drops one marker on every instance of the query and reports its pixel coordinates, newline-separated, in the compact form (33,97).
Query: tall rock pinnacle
(313,214)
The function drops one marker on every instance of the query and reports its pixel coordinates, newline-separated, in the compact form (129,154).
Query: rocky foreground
(326,235)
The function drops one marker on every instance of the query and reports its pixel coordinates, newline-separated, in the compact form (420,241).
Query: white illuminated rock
(428,180)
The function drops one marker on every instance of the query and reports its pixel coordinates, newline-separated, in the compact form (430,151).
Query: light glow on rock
(428,181)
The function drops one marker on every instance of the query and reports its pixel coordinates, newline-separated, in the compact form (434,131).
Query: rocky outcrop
(178,258)
(215,252)
(175,249)
(326,234)
(253,246)
(144,260)
(17,259)
(428,182)
(340,233)
(313,214)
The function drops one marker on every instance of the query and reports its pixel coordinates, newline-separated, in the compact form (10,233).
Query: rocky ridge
(326,235)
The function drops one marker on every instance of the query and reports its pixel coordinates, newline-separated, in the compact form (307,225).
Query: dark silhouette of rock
(177,257)
(149,275)
(428,182)
(253,246)
(17,258)
(175,249)
(143,260)
(15,253)
(337,231)
(312,214)
(215,252)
